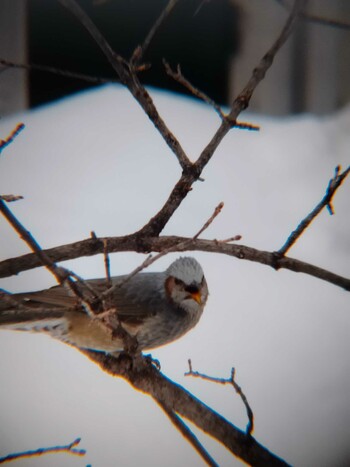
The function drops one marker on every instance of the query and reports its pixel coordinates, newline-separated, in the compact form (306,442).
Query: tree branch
(323,21)
(58,72)
(146,378)
(62,275)
(187,434)
(128,77)
(184,185)
(234,384)
(140,50)
(326,201)
(69,448)
(9,139)
(92,246)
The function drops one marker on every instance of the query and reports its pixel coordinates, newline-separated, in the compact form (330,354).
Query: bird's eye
(192,289)
(178,281)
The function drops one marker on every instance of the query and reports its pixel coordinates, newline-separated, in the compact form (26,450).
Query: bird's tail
(34,311)
(35,321)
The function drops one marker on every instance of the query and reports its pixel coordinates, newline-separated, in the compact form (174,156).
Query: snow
(95,162)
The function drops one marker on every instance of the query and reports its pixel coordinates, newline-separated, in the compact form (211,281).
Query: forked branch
(326,201)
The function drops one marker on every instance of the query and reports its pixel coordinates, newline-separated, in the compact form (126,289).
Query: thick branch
(147,379)
(94,246)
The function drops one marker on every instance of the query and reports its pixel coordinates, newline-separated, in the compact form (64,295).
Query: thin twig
(11,198)
(216,212)
(238,389)
(322,20)
(179,77)
(59,72)
(14,133)
(141,49)
(187,433)
(326,201)
(107,263)
(69,448)
(232,382)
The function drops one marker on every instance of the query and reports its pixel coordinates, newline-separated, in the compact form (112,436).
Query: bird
(154,308)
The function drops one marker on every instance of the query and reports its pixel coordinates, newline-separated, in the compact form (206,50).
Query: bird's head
(186,285)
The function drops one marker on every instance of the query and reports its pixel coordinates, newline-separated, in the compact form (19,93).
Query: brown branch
(322,20)
(129,78)
(11,198)
(107,263)
(14,133)
(184,185)
(234,384)
(92,246)
(58,72)
(69,448)
(179,77)
(141,49)
(146,378)
(326,201)
(187,433)
(62,275)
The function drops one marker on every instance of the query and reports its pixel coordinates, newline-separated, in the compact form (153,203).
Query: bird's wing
(139,297)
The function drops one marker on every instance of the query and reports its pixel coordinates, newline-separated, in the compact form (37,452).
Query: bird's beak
(197,297)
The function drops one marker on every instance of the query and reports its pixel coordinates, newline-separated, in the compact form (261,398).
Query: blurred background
(217,43)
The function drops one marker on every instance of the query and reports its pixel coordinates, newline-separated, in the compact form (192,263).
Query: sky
(94,162)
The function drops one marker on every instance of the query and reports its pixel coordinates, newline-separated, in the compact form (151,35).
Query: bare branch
(238,389)
(234,384)
(62,275)
(107,264)
(326,201)
(187,434)
(58,72)
(69,448)
(92,246)
(179,77)
(184,185)
(216,212)
(146,378)
(14,133)
(11,198)
(140,50)
(129,78)
(335,23)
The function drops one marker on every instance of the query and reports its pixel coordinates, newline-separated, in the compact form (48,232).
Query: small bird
(155,308)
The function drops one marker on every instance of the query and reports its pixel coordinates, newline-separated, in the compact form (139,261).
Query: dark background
(199,35)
